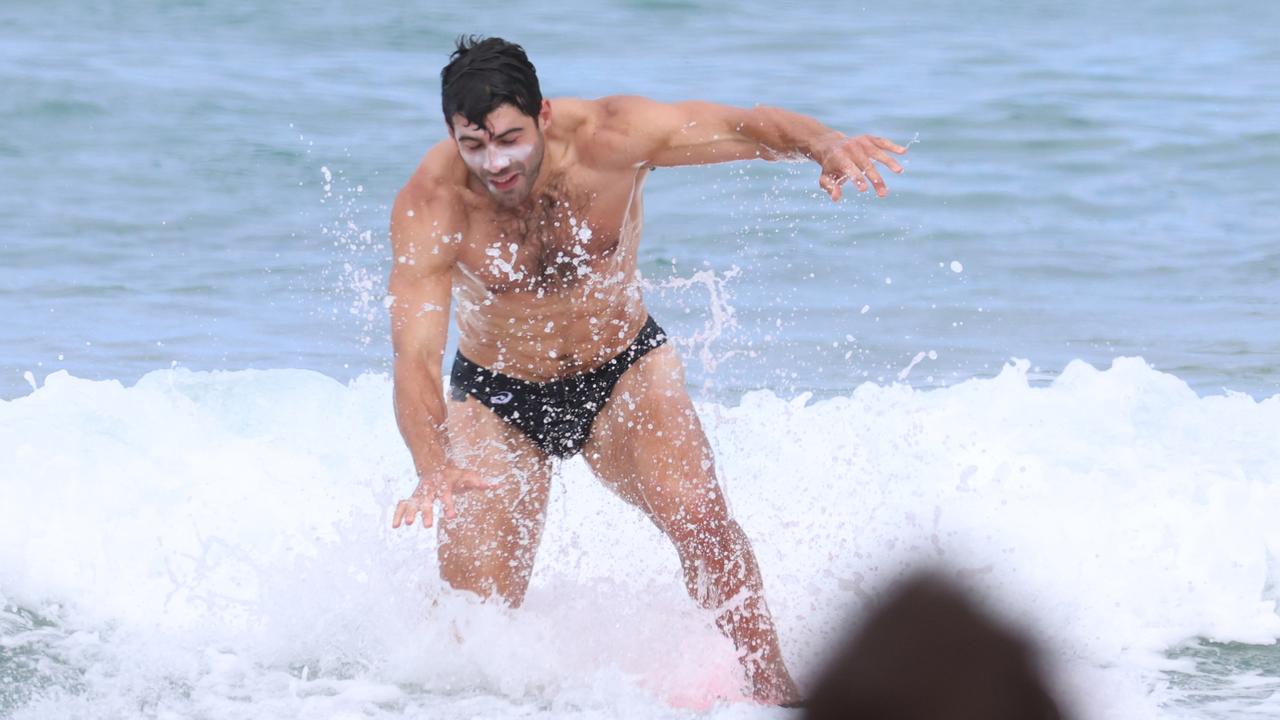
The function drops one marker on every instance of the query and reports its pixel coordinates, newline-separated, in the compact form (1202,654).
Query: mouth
(504,183)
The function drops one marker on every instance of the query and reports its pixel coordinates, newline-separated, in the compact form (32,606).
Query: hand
(441,486)
(852,158)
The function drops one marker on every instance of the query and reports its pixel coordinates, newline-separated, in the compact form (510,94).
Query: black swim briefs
(556,415)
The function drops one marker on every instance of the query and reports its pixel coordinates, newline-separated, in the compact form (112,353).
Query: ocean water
(1049,361)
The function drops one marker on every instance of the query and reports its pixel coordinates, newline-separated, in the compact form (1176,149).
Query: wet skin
(530,226)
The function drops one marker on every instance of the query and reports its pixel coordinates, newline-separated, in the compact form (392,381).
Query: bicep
(420,285)
(670,134)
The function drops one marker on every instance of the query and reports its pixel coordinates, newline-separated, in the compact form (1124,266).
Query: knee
(484,568)
(465,565)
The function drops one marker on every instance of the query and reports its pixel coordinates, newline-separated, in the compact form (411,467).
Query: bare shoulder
(437,182)
(624,113)
(429,215)
(617,130)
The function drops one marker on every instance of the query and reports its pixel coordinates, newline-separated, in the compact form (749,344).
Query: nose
(495,160)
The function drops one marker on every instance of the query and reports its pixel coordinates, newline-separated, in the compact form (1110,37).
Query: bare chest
(556,242)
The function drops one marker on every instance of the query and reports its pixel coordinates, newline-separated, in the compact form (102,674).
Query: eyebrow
(499,136)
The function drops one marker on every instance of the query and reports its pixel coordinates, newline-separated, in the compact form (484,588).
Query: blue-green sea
(1049,359)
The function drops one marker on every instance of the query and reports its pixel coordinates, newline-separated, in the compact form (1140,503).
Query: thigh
(648,446)
(507,516)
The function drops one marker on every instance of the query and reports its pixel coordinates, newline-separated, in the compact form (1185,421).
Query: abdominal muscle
(541,335)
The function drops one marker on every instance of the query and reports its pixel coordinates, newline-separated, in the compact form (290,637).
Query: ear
(544,115)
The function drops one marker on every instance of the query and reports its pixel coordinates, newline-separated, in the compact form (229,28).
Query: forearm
(420,415)
(782,134)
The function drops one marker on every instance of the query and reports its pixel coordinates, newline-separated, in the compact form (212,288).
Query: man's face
(505,154)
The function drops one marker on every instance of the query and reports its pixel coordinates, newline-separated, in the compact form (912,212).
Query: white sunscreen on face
(495,158)
(500,157)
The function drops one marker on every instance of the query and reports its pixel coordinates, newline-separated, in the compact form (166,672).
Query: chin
(509,200)
(513,198)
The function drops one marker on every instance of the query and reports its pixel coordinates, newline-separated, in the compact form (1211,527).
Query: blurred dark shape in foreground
(930,653)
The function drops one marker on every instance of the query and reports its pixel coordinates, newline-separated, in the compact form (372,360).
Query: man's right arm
(425,236)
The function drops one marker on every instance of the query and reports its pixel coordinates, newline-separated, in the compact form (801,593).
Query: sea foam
(199,540)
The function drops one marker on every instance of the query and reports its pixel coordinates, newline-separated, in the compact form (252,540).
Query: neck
(552,155)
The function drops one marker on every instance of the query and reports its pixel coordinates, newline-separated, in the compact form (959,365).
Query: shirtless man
(529,216)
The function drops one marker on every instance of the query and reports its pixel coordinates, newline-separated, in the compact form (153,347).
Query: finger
(407,512)
(849,174)
(878,182)
(887,161)
(855,174)
(428,507)
(828,184)
(412,513)
(446,501)
(399,514)
(889,145)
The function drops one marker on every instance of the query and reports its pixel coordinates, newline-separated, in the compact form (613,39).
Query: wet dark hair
(484,73)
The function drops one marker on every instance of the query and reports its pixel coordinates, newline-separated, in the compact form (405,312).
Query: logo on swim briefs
(501,398)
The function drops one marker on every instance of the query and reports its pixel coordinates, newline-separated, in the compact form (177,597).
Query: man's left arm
(660,134)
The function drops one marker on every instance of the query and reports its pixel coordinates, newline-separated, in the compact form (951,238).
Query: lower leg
(721,574)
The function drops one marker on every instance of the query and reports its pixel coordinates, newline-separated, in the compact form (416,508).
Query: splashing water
(720,313)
